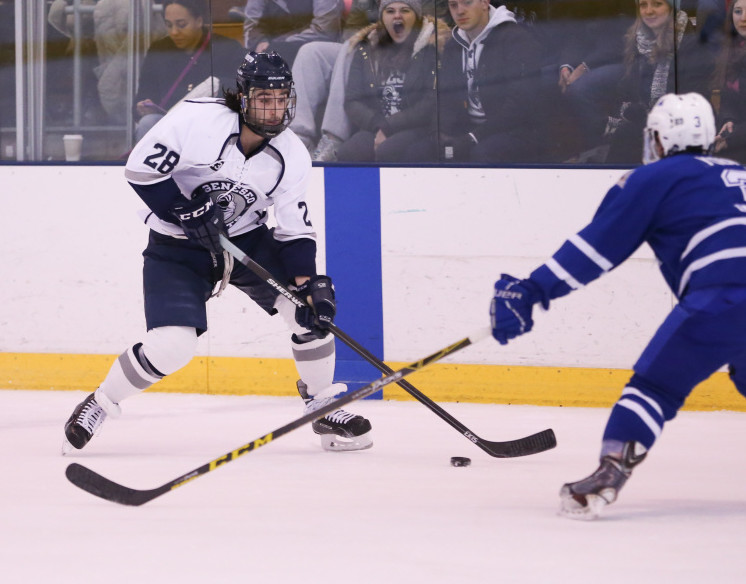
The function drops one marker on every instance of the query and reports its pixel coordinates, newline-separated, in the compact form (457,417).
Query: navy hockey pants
(179,276)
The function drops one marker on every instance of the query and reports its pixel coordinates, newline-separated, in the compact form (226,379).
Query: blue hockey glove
(319,314)
(202,222)
(512,306)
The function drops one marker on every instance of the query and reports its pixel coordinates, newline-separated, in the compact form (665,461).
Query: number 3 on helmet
(678,123)
(265,85)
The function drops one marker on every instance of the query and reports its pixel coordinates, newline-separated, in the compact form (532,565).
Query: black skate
(586,499)
(86,421)
(340,430)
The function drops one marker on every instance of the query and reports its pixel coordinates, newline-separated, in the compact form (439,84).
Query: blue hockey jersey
(690,209)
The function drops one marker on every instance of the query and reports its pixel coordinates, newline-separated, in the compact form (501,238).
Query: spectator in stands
(710,19)
(7,75)
(730,80)
(491,105)
(662,54)
(285,25)
(390,94)
(190,61)
(111,23)
(591,65)
(104,46)
(320,75)
(61,65)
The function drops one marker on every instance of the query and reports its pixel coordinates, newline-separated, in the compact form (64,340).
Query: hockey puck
(460,461)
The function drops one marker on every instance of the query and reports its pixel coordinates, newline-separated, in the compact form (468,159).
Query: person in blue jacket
(690,207)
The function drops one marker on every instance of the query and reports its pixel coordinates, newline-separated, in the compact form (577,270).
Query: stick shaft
(105,488)
(519,447)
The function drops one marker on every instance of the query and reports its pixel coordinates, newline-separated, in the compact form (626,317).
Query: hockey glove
(321,309)
(202,222)
(512,306)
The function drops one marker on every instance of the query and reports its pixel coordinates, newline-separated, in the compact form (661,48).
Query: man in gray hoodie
(491,103)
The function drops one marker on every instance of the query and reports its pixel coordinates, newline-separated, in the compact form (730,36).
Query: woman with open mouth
(390,97)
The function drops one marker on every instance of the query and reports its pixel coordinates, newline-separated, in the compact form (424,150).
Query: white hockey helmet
(679,123)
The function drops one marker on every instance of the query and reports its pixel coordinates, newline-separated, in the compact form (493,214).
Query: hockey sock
(164,351)
(635,417)
(315,361)
(314,357)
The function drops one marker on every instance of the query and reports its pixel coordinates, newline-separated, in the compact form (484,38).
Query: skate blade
(67,448)
(334,443)
(571,508)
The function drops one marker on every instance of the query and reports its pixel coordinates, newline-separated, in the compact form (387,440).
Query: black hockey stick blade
(100,486)
(544,440)
(539,442)
(533,444)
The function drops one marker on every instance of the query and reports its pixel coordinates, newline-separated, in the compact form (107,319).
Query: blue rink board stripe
(353,260)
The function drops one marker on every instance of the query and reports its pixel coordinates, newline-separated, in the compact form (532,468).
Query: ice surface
(290,512)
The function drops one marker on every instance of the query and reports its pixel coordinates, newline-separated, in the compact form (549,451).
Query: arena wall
(413,253)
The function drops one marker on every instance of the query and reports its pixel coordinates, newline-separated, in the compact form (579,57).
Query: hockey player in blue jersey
(691,209)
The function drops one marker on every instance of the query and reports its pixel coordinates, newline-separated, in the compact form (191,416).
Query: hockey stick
(532,444)
(100,486)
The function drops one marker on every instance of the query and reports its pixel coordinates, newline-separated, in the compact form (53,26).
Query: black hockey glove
(202,222)
(512,306)
(321,309)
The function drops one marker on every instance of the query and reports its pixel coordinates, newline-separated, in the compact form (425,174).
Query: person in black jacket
(492,107)
(190,62)
(730,81)
(662,54)
(591,64)
(390,91)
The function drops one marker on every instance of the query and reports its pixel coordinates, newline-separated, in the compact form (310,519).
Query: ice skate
(586,499)
(339,430)
(86,421)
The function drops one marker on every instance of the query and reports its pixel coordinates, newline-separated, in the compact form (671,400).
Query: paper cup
(73,146)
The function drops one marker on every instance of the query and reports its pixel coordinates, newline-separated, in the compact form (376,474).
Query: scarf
(646,44)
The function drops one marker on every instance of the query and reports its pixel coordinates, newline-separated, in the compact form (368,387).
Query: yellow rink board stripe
(552,386)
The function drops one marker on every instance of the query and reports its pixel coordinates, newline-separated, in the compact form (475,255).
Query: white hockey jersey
(194,149)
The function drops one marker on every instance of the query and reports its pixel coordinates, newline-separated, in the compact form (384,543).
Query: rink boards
(413,253)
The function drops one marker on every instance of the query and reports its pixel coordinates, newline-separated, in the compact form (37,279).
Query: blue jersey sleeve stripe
(591,252)
(703,234)
(726,254)
(562,274)
(577,264)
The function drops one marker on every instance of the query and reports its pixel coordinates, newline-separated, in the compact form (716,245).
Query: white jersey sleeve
(194,150)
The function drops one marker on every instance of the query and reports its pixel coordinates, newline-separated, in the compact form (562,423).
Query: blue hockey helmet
(262,74)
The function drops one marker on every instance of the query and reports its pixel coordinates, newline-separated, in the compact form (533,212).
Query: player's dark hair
(197,8)
(232,101)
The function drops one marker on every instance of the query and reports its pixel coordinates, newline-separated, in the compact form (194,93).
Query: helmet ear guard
(678,123)
(265,71)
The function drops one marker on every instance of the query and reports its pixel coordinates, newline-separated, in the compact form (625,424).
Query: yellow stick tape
(550,386)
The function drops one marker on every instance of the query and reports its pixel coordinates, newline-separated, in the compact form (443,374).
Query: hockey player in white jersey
(691,209)
(216,166)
